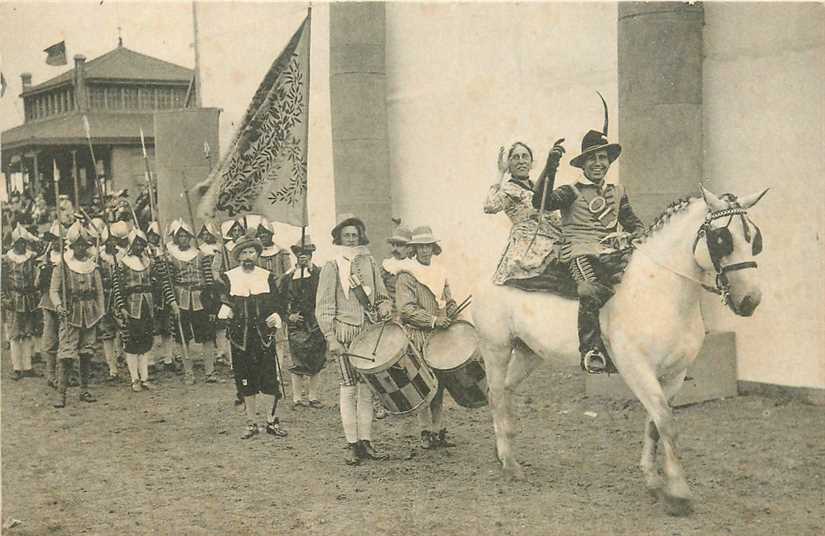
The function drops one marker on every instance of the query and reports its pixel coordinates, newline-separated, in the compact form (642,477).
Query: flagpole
(197,54)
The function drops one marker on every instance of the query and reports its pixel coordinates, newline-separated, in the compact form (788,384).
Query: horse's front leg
(501,405)
(647,388)
(648,463)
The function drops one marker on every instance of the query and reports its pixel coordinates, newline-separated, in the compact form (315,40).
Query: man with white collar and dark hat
(192,280)
(19,299)
(153,236)
(591,210)
(250,304)
(134,282)
(162,318)
(425,303)
(307,347)
(119,231)
(351,297)
(51,322)
(76,290)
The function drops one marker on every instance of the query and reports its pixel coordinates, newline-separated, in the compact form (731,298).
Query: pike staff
(60,237)
(153,209)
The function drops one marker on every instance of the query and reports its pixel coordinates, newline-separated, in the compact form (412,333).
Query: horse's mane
(675,207)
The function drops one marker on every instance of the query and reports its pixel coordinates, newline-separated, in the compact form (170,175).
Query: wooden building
(118,93)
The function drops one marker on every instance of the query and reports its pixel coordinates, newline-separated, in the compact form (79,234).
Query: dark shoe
(354,454)
(428,440)
(274,428)
(51,383)
(368,452)
(137,387)
(211,378)
(113,379)
(147,385)
(60,401)
(17,375)
(593,362)
(442,440)
(238,400)
(251,431)
(379,412)
(86,396)
(31,373)
(317,404)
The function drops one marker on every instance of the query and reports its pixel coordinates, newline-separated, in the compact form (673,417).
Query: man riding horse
(591,210)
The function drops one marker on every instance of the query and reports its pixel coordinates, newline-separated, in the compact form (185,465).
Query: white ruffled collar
(81,267)
(183,256)
(344,256)
(138,264)
(434,276)
(269,251)
(17,258)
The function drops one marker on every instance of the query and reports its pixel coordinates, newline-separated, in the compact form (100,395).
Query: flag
(265,169)
(2,84)
(56,54)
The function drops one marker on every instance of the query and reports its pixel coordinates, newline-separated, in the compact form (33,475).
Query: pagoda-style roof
(67,129)
(121,65)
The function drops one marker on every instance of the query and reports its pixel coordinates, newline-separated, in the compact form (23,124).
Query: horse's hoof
(655,487)
(514,472)
(677,506)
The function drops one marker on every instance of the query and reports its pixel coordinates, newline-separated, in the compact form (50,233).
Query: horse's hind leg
(496,360)
(650,393)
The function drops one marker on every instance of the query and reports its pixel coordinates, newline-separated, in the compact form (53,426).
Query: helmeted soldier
(591,210)
(51,321)
(162,317)
(192,279)
(110,250)
(19,298)
(134,280)
(76,290)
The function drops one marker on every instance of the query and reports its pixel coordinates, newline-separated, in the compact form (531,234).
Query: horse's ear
(751,200)
(713,202)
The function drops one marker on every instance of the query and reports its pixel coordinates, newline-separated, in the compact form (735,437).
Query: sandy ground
(170,461)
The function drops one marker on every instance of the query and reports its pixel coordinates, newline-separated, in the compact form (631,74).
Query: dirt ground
(171,461)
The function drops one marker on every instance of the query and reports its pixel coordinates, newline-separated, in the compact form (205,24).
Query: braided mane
(675,207)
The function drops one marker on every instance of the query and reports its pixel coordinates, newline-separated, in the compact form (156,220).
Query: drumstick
(460,310)
(378,341)
(359,356)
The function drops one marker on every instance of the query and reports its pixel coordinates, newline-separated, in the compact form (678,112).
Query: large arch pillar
(660,101)
(359,117)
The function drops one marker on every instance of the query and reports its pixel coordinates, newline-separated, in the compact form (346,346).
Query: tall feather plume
(604,130)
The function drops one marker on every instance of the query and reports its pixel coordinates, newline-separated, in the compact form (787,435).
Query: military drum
(454,356)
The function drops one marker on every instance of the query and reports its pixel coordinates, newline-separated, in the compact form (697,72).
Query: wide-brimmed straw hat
(305,245)
(350,219)
(401,235)
(423,235)
(595,141)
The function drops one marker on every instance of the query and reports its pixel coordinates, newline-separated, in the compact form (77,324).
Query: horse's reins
(722,287)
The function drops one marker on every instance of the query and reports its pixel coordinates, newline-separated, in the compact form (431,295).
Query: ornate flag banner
(265,170)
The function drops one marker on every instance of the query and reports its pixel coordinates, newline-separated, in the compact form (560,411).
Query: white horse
(652,326)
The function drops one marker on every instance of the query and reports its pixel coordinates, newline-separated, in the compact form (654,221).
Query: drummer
(351,297)
(424,302)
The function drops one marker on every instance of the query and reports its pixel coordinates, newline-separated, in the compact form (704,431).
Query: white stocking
(297,387)
(109,354)
(348,413)
(16,354)
(365,412)
(28,349)
(132,363)
(268,402)
(313,386)
(143,367)
(251,408)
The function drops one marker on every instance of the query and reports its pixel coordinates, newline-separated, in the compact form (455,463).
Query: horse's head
(726,244)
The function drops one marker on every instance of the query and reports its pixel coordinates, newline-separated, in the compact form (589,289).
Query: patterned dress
(515,199)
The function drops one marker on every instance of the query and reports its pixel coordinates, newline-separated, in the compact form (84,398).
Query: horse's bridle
(720,244)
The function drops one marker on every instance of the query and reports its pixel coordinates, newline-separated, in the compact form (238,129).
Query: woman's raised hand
(503,165)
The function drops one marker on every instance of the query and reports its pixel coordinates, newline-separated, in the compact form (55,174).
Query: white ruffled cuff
(224,313)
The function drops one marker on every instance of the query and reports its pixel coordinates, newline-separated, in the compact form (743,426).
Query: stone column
(660,102)
(359,117)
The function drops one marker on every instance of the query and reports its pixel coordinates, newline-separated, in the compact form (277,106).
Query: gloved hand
(442,321)
(385,310)
(274,321)
(335,348)
(452,307)
(296,317)
(225,312)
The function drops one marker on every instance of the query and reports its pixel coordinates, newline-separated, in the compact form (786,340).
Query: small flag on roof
(56,54)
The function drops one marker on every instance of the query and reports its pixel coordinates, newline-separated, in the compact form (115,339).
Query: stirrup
(594,362)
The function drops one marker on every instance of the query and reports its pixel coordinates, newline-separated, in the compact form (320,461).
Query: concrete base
(712,375)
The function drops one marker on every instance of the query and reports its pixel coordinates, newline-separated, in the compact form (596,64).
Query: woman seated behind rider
(528,252)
